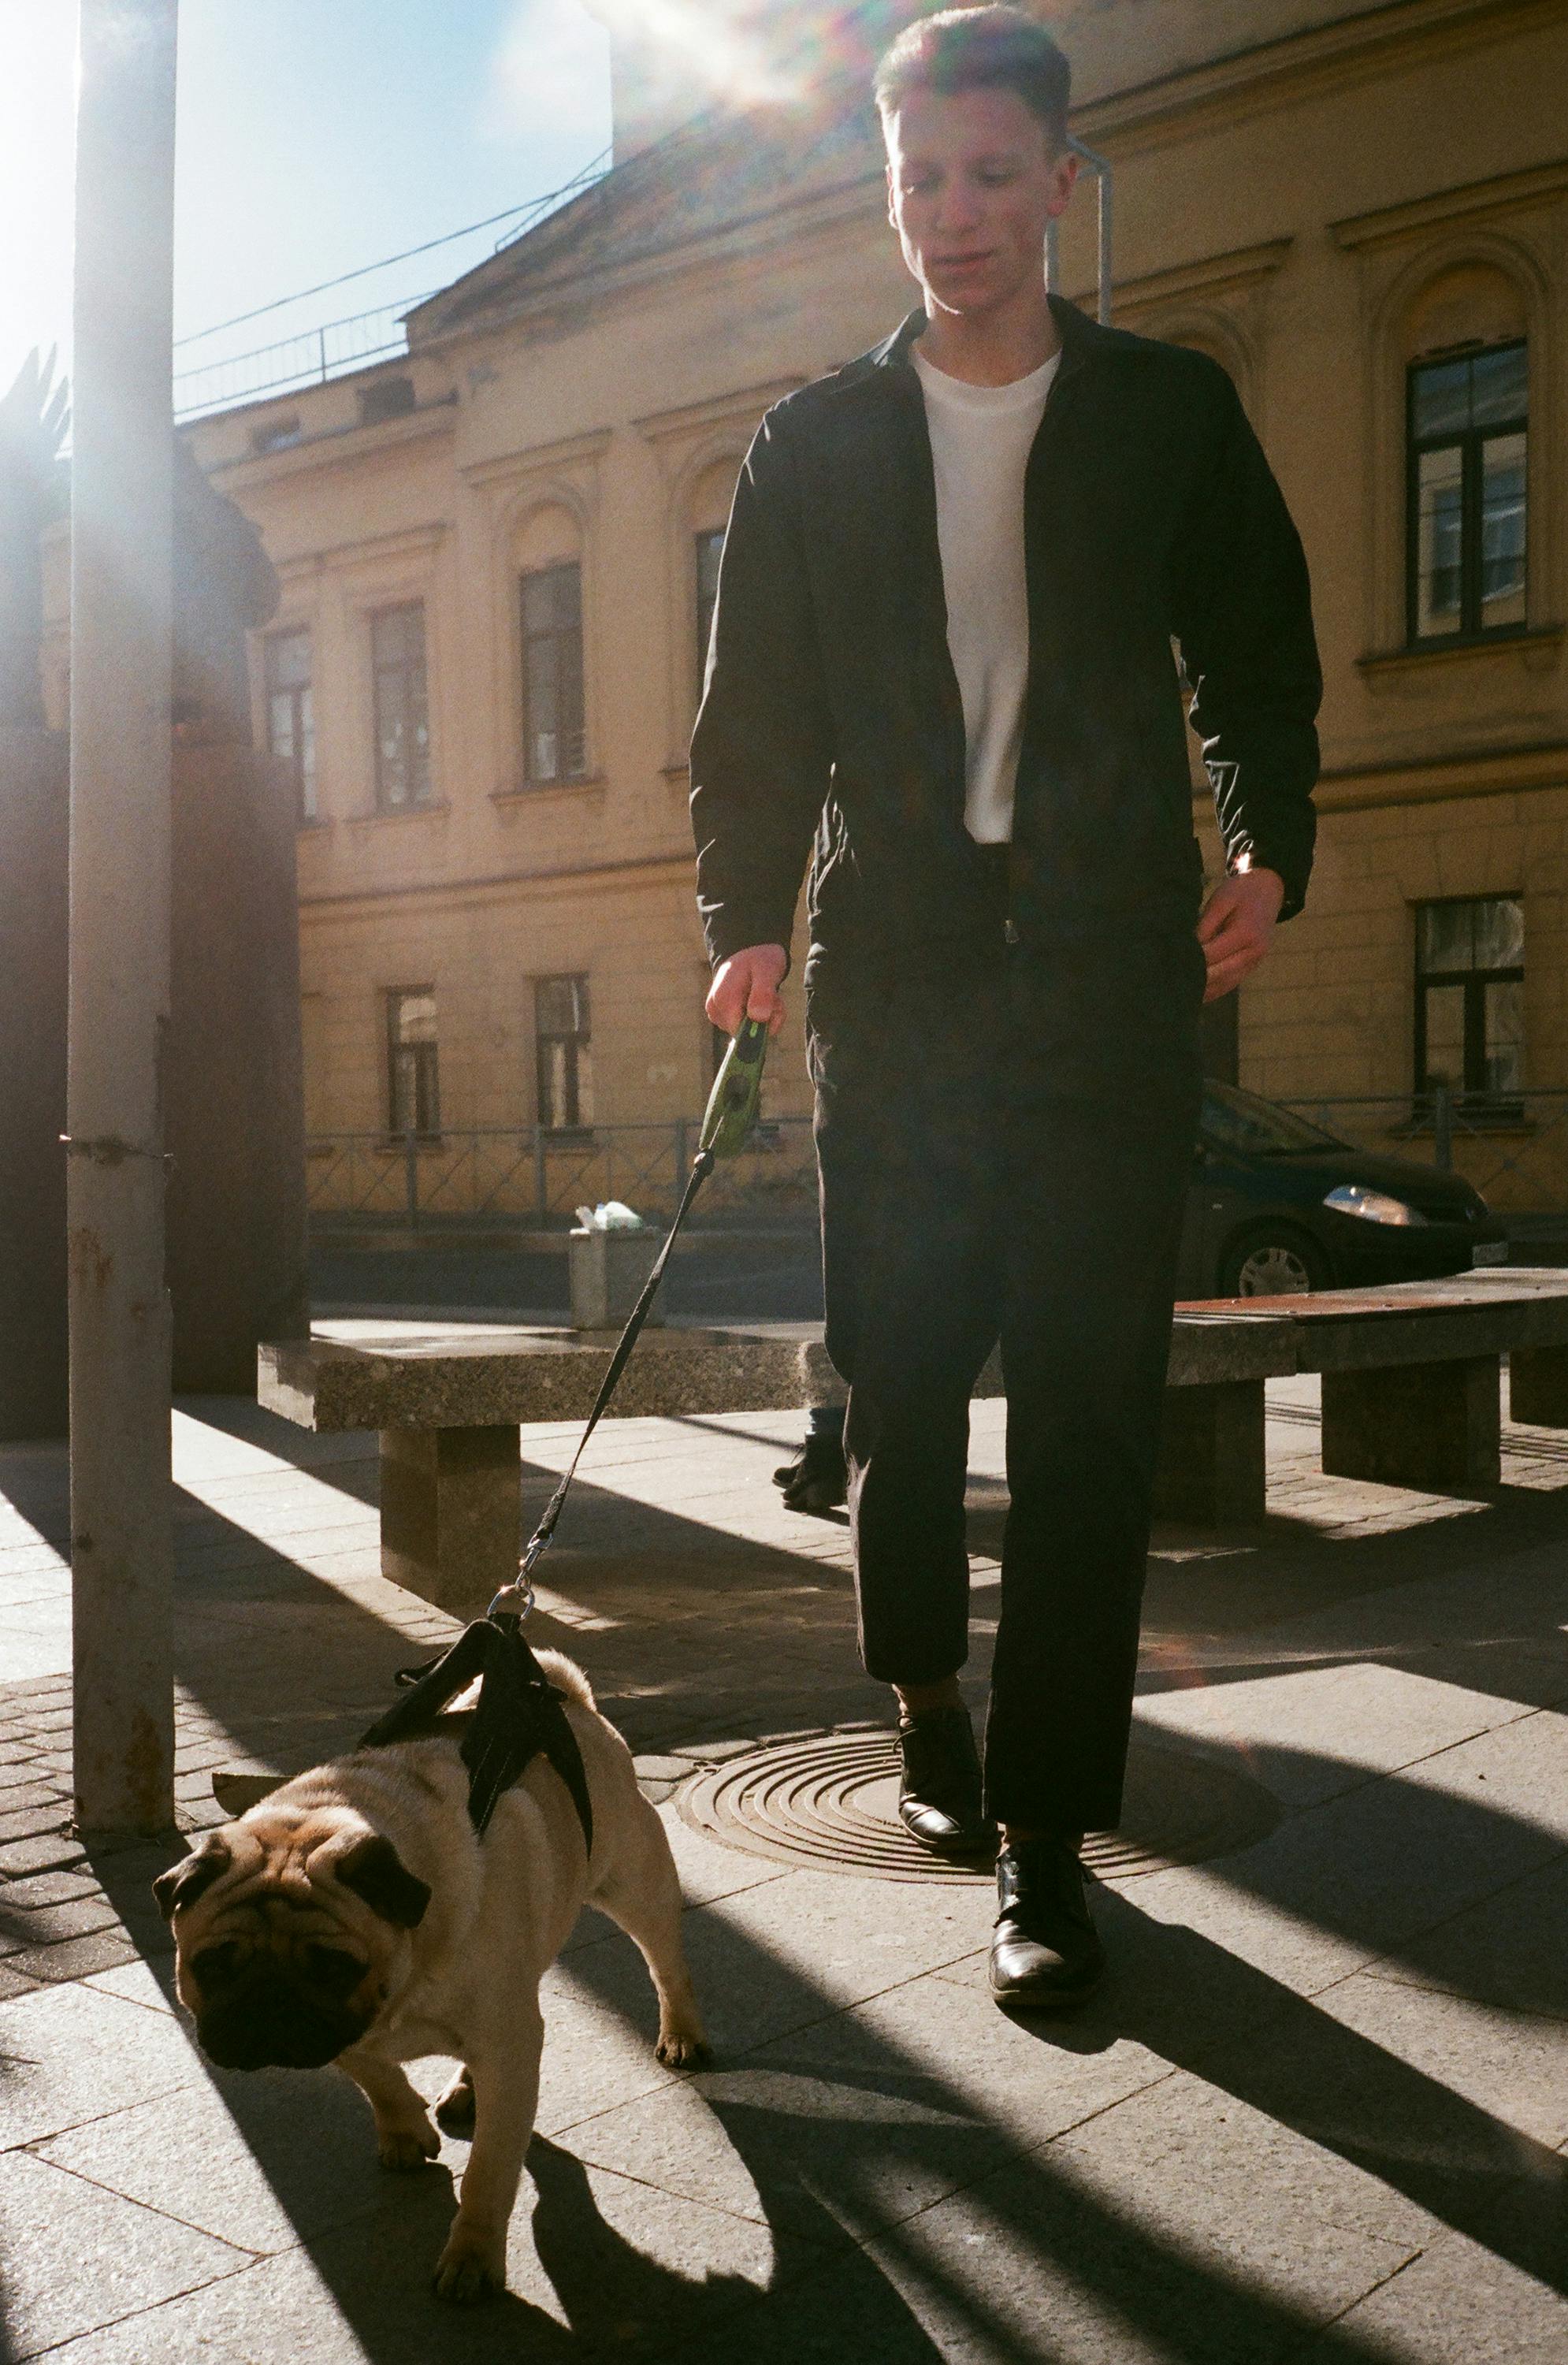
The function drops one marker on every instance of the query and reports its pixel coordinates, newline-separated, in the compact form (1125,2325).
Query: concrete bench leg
(1432,1426)
(1211,1469)
(450,1510)
(1538,1387)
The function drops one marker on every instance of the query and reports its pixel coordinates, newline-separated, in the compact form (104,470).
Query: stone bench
(1411,1394)
(448,1405)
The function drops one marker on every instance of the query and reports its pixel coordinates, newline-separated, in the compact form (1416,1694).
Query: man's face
(972,182)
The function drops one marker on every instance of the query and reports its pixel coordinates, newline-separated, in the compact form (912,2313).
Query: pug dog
(354,1916)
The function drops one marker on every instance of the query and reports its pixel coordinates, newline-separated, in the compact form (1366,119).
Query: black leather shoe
(939,1795)
(1045,1952)
(815,1478)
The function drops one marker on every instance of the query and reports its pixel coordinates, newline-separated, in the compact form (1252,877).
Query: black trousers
(1005,1143)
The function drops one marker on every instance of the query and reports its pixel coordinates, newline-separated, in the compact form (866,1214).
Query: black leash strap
(520,1713)
(516,1600)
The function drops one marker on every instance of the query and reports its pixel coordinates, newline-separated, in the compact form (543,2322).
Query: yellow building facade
(495,557)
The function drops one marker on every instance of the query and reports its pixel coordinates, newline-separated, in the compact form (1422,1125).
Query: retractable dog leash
(520,1713)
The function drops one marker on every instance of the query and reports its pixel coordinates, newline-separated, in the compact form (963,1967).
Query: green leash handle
(732,1104)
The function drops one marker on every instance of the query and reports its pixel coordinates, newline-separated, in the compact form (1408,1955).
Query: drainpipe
(1100,168)
(121,1529)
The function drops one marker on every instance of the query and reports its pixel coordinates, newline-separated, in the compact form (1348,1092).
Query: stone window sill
(437,806)
(1537,650)
(523,792)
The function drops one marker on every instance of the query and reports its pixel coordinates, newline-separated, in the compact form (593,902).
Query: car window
(1249,1128)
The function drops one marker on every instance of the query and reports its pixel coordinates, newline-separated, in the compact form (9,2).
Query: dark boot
(939,1795)
(814,1479)
(1045,1952)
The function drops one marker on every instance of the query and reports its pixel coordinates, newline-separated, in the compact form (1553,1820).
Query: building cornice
(1504,192)
(1217,275)
(408,542)
(1297,65)
(1510,770)
(696,418)
(568,452)
(502,882)
(330,445)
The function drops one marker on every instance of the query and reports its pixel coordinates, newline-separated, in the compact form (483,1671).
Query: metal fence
(537,1177)
(1515,1151)
(1512,1146)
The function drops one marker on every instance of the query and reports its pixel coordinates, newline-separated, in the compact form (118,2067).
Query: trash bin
(608,1265)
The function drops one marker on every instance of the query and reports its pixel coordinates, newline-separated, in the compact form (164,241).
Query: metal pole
(121,1527)
(541,1173)
(411,1178)
(1442,1126)
(1100,167)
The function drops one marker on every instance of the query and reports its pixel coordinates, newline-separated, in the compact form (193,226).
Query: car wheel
(1272,1262)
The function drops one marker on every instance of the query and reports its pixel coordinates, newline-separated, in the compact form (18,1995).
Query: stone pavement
(1320,2113)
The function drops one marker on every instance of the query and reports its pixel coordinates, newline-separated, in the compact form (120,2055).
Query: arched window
(709,512)
(1467,443)
(548,553)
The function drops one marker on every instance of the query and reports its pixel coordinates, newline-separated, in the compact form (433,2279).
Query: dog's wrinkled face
(288,1938)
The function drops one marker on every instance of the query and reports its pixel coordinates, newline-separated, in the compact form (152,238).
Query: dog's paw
(455,2112)
(682,2049)
(471,2268)
(405,2148)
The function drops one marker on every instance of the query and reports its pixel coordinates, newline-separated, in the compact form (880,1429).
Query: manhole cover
(832,1802)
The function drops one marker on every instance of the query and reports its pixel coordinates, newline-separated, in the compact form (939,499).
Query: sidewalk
(1319,2113)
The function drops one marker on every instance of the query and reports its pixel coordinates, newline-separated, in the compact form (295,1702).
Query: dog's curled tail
(566,1676)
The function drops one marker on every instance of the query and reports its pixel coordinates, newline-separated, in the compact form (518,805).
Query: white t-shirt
(980,438)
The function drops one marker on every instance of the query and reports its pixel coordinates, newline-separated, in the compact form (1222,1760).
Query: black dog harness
(518,1715)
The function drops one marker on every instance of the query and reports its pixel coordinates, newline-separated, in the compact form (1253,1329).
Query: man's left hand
(1237,927)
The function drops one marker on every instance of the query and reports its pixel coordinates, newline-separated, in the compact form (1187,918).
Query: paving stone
(1510,1950)
(51,2223)
(596,2267)
(867,2117)
(40,1853)
(50,1814)
(46,1925)
(142,1982)
(73,1958)
(1489,2073)
(69,2054)
(1313,1732)
(13,1983)
(47,1888)
(1457,2300)
(262,2160)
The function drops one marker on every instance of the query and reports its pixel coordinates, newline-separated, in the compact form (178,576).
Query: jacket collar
(1083,340)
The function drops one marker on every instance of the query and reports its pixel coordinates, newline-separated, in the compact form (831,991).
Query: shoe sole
(977,1850)
(1054,2000)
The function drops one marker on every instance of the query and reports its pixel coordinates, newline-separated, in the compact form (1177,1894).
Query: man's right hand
(746,986)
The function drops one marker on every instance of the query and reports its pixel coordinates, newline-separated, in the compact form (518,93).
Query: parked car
(1277,1205)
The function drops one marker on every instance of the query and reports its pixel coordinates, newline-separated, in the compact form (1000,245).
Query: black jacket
(832,710)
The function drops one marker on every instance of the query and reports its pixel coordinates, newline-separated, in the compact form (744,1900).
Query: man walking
(942,649)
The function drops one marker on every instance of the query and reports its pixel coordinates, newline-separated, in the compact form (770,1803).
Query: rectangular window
(1469,451)
(564,1052)
(553,741)
(403,711)
(413,1083)
(291,729)
(709,549)
(1470,970)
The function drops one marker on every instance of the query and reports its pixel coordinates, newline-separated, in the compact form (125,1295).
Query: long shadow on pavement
(1002,2249)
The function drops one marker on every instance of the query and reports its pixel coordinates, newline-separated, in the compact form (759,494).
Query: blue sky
(314,136)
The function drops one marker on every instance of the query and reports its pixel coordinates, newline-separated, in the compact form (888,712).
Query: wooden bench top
(435,1377)
(1481,1313)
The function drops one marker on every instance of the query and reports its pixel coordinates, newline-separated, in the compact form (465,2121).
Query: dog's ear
(183,1883)
(374,1870)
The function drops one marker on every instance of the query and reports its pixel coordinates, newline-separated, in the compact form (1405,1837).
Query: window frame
(1470,442)
(578,1046)
(416,712)
(424,1065)
(573,638)
(704,538)
(302,716)
(1475,1095)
